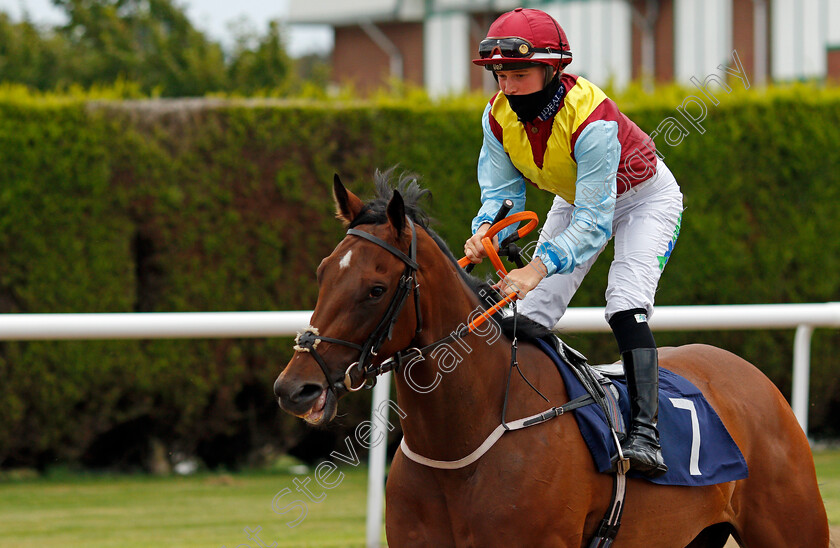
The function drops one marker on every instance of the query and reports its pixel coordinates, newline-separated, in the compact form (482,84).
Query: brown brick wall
(743,32)
(358,60)
(663,58)
(478,30)
(833,68)
(665,42)
(743,35)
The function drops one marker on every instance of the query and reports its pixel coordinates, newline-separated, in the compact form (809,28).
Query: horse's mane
(408,185)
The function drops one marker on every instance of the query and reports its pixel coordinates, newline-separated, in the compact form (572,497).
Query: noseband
(308,340)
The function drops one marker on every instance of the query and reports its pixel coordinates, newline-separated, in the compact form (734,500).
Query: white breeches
(645,228)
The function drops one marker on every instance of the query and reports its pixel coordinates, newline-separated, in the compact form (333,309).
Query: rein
(308,340)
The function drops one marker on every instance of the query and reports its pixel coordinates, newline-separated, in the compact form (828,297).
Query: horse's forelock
(408,185)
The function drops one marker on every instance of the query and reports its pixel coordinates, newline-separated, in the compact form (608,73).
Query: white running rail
(180,325)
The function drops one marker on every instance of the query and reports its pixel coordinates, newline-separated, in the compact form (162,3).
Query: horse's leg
(779,504)
(416,513)
(714,536)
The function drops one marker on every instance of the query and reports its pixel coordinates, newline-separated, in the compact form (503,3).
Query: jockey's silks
(546,155)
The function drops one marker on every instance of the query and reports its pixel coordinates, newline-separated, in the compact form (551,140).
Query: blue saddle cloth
(695,444)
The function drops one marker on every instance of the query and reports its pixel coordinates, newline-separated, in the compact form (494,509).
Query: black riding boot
(642,446)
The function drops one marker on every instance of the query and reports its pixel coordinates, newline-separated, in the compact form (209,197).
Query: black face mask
(528,107)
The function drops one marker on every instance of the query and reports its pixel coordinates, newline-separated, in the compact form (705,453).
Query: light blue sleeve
(597,152)
(497,178)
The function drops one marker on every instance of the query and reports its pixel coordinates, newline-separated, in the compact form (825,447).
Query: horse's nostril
(307,393)
(297,394)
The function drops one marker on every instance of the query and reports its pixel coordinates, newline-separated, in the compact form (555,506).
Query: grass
(827,463)
(212,510)
(208,510)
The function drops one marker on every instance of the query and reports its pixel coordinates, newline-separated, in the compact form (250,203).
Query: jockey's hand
(473,249)
(522,280)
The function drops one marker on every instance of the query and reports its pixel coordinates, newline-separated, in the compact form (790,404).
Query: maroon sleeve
(638,152)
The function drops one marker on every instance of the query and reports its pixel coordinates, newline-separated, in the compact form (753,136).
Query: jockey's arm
(498,180)
(597,152)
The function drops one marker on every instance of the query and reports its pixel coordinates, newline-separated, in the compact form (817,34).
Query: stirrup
(619,464)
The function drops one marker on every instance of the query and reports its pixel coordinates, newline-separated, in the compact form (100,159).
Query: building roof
(343,12)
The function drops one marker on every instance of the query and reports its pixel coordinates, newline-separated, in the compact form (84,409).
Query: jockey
(561,133)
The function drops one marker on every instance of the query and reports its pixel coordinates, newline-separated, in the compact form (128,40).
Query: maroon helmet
(522,38)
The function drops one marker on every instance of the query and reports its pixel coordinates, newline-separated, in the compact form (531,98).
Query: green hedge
(224,205)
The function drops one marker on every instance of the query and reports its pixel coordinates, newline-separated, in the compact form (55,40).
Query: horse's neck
(453,396)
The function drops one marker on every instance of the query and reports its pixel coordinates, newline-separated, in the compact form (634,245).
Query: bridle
(309,339)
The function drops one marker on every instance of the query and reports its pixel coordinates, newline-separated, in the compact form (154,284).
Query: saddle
(695,443)
(594,379)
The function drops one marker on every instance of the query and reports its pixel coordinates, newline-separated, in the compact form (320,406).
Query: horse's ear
(396,212)
(347,204)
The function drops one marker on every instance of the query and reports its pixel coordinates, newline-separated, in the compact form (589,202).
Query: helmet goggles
(517,48)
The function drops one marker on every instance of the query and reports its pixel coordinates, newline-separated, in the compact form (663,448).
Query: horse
(536,486)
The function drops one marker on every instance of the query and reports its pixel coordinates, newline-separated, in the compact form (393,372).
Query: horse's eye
(377,292)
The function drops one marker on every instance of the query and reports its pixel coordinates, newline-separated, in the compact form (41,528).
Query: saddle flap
(696,445)
(596,384)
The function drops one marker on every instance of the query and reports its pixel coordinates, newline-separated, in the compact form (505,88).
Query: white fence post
(376,461)
(801,374)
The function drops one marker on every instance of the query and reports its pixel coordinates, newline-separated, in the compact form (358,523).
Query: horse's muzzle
(310,401)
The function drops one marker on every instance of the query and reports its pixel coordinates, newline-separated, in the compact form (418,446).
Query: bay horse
(537,486)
